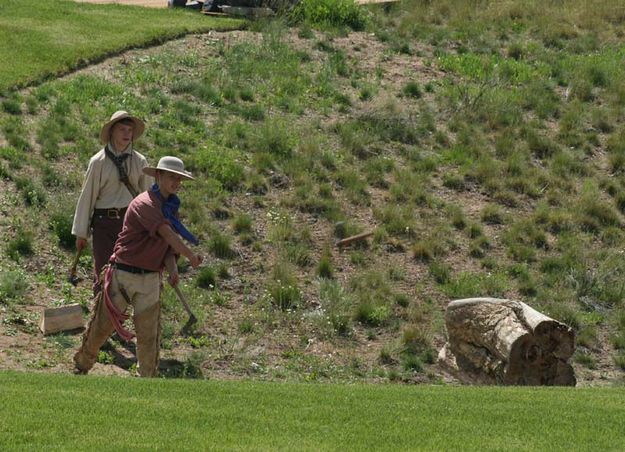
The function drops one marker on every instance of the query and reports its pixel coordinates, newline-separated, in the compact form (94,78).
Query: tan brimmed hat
(171,164)
(105,133)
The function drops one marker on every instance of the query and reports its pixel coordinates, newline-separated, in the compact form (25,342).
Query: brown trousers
(143,292)
(105,231)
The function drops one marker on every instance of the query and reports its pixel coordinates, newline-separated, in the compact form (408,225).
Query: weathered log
(498,341)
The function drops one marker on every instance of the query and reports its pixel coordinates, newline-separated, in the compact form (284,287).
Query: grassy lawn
(65,412)
(52,37)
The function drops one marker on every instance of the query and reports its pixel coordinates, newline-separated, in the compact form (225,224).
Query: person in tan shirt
(113,178)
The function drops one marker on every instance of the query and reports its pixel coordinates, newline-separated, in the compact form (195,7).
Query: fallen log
(499,341)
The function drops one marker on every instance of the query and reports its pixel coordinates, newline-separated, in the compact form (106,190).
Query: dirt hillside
(231,345)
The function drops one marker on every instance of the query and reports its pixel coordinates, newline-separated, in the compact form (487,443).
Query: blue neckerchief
(170,209)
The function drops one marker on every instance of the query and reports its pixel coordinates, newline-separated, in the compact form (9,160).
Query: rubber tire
(176,3)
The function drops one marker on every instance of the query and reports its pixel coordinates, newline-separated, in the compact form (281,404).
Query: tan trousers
(143,292)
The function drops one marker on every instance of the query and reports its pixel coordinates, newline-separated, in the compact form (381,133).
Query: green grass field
(500,172)
(56,412)
(47,38)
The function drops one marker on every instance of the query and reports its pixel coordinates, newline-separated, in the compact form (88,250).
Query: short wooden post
(63,318)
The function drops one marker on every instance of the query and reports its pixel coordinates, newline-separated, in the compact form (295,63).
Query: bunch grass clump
(330,13)
(325,269)
(13,286)
(220,245)
(282,287)
(20,246)
(337,303)
(206,278)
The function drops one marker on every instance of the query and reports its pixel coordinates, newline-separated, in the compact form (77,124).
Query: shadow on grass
(168,368)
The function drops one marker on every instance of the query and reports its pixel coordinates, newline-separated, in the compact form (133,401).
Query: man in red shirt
(148,243)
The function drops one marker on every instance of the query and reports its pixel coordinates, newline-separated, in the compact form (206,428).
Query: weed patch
(330,13)
(13,286)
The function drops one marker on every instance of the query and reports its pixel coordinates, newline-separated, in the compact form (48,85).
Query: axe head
(74,279)
(187,328)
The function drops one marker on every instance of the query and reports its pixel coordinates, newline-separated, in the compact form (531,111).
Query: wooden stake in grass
(354,238)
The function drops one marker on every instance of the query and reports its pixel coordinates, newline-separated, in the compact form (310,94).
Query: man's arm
(172,239)
(84,206)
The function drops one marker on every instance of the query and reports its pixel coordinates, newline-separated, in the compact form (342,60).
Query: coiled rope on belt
(116,316)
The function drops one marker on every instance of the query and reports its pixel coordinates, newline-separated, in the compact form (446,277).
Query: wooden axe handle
(72,271)
(183,300)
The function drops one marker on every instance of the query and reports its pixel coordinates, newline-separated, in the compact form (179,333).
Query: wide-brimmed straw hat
(105,133)
(171,164)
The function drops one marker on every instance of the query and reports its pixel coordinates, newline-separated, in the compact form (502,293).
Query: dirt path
(148,3)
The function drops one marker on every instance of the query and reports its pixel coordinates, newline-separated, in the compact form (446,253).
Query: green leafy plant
(33,194)
(371,313)
(105,357)
(61,224)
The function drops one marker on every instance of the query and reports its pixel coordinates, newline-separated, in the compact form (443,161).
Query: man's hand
(80,243)
(173,278)
(196,260)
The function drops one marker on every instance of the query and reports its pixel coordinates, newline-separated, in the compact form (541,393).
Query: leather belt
(131,269)
(113,213)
